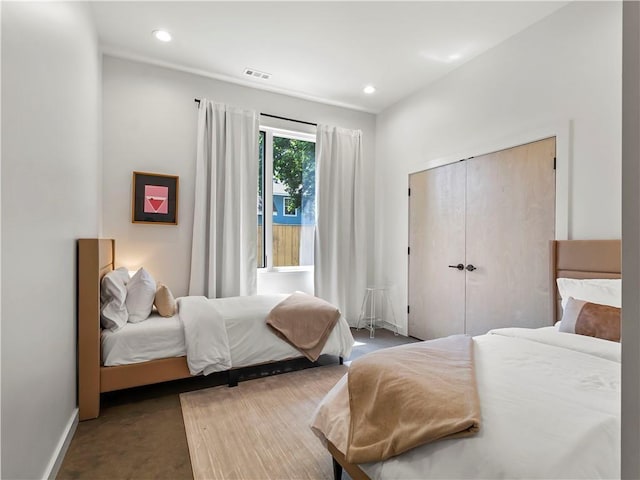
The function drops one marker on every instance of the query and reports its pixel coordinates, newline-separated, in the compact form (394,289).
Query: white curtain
(224,246)
(340,247)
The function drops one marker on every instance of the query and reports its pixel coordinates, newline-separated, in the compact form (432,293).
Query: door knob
(471,268)
(458,266)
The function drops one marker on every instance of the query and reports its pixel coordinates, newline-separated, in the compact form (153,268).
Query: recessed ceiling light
(369,89)
(162,35)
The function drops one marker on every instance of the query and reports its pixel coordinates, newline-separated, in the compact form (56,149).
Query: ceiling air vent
(252,72)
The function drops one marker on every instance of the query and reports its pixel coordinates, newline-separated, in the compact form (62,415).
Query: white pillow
(141,291)
(598,290)
(113,294)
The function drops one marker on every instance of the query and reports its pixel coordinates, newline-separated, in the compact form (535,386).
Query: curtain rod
(197,100)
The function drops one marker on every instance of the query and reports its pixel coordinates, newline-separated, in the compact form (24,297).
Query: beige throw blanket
(305,322)
(406,396)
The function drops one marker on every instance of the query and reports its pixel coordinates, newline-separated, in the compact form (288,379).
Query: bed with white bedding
(250,341)
(549,400)
(158,349)
(550,405)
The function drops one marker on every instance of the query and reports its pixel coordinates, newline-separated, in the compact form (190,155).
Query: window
(290,208)
(286,199)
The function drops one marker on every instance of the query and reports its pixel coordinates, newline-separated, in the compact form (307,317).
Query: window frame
(267,201)
(284,208)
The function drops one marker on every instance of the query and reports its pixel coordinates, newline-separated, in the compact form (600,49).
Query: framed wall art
(155,198)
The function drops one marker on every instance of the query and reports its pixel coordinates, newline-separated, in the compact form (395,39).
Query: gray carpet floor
(140,432)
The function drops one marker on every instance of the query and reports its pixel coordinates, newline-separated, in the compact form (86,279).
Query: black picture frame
(154,198)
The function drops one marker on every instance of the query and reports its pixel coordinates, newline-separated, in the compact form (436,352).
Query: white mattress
(250,340)
(157,337)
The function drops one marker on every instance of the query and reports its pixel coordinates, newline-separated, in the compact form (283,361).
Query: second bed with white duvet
(250,340)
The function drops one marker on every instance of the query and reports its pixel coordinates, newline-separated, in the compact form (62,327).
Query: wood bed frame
(96,257)
(567,259)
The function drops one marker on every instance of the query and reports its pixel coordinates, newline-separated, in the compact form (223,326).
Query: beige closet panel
(436,240)
(495,214)
(510,218)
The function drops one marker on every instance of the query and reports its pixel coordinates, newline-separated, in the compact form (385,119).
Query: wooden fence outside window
(286,245)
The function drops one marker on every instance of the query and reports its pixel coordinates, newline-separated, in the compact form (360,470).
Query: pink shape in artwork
(156,199)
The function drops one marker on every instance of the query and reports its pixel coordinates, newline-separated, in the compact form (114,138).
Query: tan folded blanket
(305,322)
(406,396)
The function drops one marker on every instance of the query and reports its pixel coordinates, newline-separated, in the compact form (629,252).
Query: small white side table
(374,297)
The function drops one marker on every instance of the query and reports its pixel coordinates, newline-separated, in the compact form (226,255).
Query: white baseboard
(53,467)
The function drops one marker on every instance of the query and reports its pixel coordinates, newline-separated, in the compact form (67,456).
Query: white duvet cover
(240,322)
(156,337)
(550,406)
(221,333)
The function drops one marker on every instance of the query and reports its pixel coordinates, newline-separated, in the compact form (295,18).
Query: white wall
(563,71)
(149,124)
(50,152)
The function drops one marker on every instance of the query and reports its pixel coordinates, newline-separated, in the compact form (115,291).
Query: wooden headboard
(95,259)
(582,259)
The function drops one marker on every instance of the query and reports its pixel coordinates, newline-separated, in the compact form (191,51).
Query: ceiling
(324,51)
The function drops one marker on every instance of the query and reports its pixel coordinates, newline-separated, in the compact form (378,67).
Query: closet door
(436,240)
(510,218)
